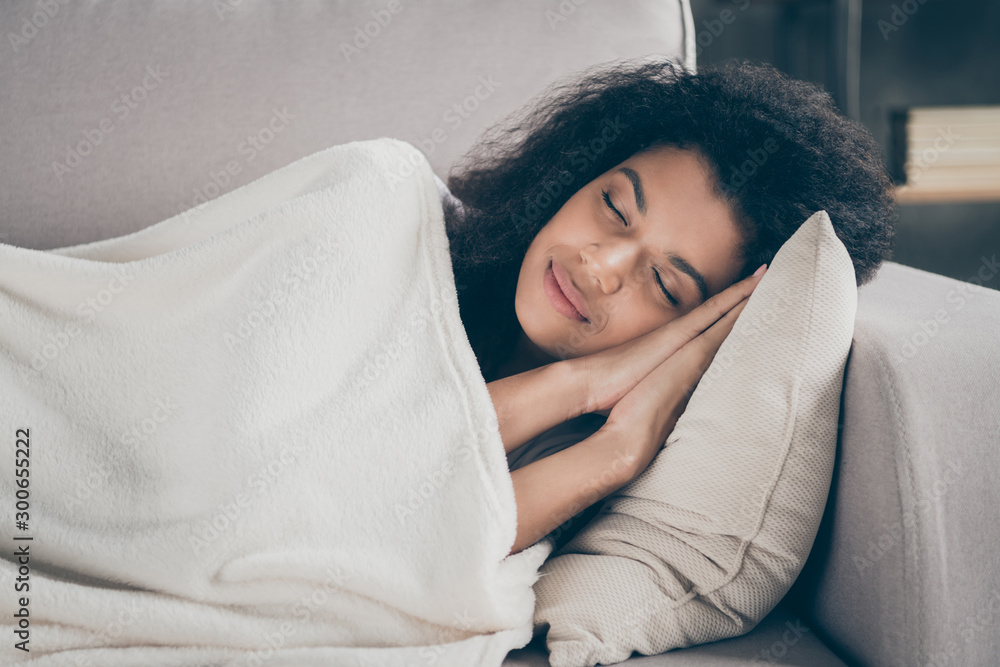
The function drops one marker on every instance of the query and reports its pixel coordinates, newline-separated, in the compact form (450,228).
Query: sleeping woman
(606,238)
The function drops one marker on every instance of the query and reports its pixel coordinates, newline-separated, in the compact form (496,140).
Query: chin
(539,349)
(548,333)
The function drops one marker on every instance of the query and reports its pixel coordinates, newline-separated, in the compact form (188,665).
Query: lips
(563,295)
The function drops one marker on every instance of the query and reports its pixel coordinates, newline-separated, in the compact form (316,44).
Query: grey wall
(946,52)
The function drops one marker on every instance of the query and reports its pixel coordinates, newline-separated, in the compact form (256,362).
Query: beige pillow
(709,538)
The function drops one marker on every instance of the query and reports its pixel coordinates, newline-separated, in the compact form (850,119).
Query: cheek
(631,315)
(570,225)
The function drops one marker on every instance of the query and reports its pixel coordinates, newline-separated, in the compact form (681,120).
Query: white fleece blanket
(256,434)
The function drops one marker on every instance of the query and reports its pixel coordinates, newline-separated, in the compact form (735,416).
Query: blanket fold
(256,433)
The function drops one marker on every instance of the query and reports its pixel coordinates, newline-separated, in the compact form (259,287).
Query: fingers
(676,377)
(698,320)
(711,339)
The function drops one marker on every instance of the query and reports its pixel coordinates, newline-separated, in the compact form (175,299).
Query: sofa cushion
(707,540)
(117,115)
(783,638)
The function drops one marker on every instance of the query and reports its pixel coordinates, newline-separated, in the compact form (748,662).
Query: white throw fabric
(258,434)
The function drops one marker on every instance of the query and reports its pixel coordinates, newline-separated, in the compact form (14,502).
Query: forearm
(553,489)
(532,402)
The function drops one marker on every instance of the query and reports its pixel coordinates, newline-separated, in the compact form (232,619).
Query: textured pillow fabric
(709,538)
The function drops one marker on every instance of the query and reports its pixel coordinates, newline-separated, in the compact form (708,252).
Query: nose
(606,264)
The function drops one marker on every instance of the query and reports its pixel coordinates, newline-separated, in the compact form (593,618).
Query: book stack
(947,154)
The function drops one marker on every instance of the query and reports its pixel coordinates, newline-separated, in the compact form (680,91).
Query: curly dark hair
(778,150)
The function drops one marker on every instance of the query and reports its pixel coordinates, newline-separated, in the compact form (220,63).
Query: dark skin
(608,339)
(612,264)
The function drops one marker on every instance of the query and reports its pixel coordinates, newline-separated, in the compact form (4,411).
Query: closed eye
(659,281)
(607,200)
(664,290)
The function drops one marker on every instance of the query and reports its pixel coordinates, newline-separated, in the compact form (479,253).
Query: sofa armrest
(904,570)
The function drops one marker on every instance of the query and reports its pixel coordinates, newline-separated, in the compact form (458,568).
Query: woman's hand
(611,374)
(647,414)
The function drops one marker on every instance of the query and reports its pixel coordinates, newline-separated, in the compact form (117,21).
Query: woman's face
(676,228)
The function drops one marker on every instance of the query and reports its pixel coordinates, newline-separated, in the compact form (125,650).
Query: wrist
(573,378)
(615,451)
(620,446)
(642,439)
(534,401)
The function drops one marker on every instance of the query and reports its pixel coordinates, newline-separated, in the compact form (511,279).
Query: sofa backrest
(116,115)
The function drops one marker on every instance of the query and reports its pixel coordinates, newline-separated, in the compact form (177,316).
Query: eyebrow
(640,198)
(684,266)
(675,259)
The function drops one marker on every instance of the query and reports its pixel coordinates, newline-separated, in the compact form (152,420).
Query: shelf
(909,195)
(947,154)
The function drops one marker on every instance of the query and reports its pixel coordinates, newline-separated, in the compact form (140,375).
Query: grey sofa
(115,115)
